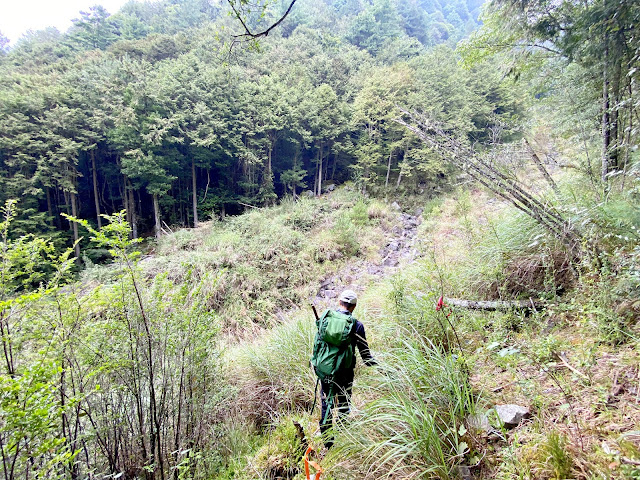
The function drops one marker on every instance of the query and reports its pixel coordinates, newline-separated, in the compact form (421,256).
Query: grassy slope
(413,412)
(584,421)
(583,424)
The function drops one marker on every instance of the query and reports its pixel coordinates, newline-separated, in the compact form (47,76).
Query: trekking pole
(315,390)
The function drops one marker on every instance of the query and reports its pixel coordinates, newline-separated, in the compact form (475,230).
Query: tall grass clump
(273,373)
(516,258)
(415,427)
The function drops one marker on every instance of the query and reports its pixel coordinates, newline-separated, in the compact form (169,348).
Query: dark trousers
(341,394)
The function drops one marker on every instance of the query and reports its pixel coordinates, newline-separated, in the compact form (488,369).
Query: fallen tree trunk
(492,305)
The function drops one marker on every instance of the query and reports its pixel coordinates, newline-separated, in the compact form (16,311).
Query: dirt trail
(399,248)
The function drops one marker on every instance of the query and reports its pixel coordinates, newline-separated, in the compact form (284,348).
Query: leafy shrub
(547,348)
(359,214)
(597,303)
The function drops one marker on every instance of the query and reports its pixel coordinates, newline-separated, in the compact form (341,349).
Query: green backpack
(333,347)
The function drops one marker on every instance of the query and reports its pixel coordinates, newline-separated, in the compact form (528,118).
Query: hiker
(336,369)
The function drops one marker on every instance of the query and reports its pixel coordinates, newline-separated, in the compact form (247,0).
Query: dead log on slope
(491,305)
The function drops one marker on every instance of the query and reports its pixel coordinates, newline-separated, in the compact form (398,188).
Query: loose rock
(511,415)
(464,472)
(373,270)
(390,262)
(394,246)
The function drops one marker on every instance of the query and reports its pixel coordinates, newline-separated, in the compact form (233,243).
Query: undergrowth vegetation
(194,358)
(415,424)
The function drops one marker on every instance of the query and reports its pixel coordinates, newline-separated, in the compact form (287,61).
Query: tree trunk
(94,172)
(134,217)
(67,203)
(606,132)
(124,194)
(491,305)
(315,179)
(541,168)
(386,182)
(74,213)
(195,194)
(156,215)
(614,103)
(49,207)
(320,171)
(7,345)
(333,169)
(326,164)
(130,205)
(404,158)
(58,217)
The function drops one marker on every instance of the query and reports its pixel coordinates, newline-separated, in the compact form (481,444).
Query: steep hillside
(569,360)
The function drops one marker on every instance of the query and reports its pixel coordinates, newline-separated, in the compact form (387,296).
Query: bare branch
(485,173)
(248,33)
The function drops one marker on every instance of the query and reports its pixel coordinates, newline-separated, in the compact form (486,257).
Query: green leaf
(463,448)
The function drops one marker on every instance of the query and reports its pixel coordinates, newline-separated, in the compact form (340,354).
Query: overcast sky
(18,16)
